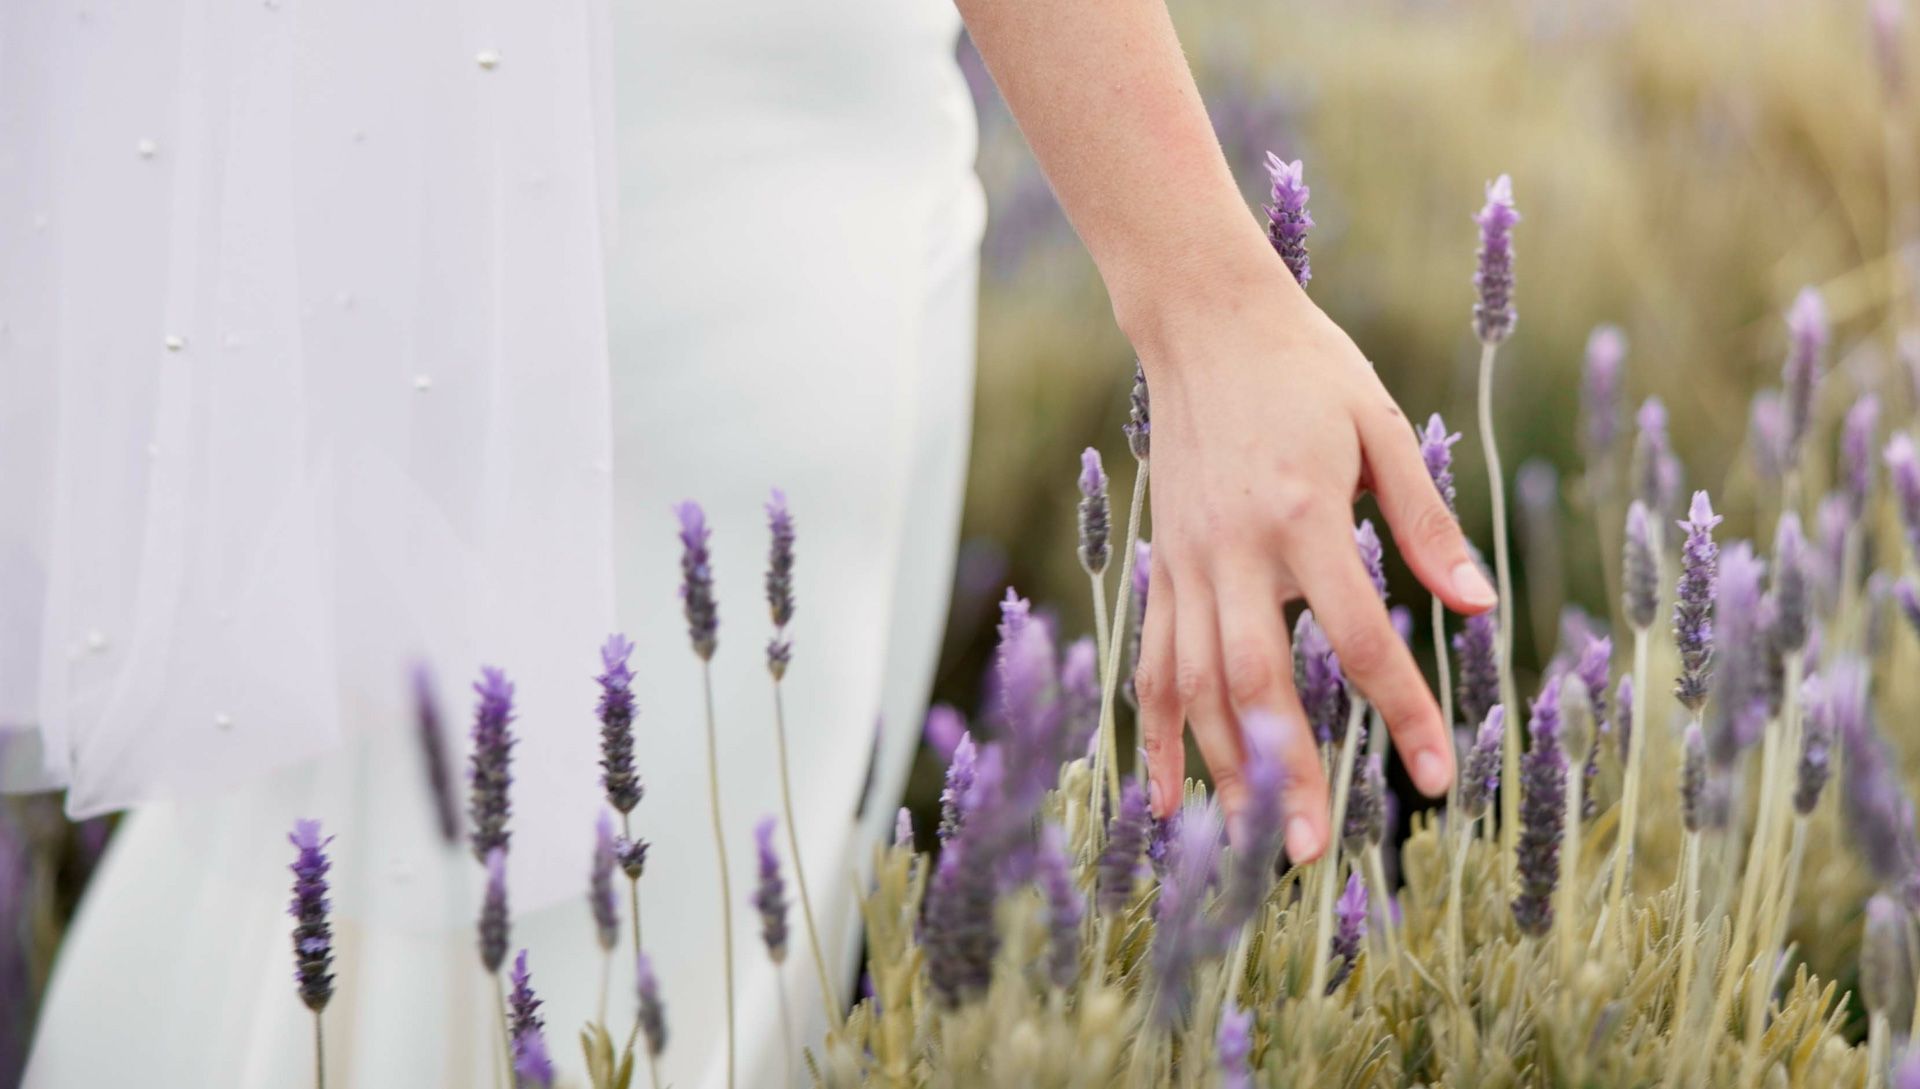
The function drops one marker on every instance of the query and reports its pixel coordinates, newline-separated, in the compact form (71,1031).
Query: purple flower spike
(1807,347)
(433,752)
(770,893)
(493,913)
(631,854)
(1543,787)
(1741,684)
(1366,822)
(532,1066)
(1816,743)
(653,1012)
(1080,692)
(312,933)
(1120,858)
(1234,1046)
(1877,812)
(1183,933)
(1640,569)
(1887,960)
(1493,313)
(1600,392)
(960,772)
(1656,472)
(1792,586)
(945,727)
(1693,603)
(1436,449)
(1478,687)
(1054,876)
(1288,220)
(1258,828)
(903,828)
(696,580)
(1096,517)
(779,582)
(1136,617)
(617,774)
(1349,931)
(1139,425)
(1480,776)
(1623,716)
(1767,435)
(527,1035)
(1903,470)
(1372,555)
(1859,437)
(491,772)
(1401,618)
(600,898)
(1317,677)
(959,937)
(523,1006)
(1695,812)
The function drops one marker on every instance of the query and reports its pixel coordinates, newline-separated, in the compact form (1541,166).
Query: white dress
(334,336)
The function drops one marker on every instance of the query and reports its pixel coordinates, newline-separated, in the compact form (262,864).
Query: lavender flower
(1372,555)
(1401,618)
(1907,1074)
(632,856)
(1593,673)
(433,752)
(1258,828)
(1055,878)
(1183,934)
(903,828)
(617,773)
(1640,570)
(1234,1046)
(491,772)
(1350,930)
(1767,435)
(1807,345)
(1366,799)
(1741,687)
(1080,693)
(960,771)
(1493,313)
(523,1006)
(1436,449)
(1859,435)
(696,580)
(1907,596)
(1792,587)
(770,894)
(1317,677)
(493,913)
(1816,743)
(1600,393)
(1095,515)
(1877,811)
(1903,469)
(959,938)
(1656,472)
(312,933)
(532,1067)
(1695,811)
(1478,686)
(779,582)
(1120,858)
(1693,603)
(1887,960)
(1480,774)
(945,726)
(606,910)
(1136,618)
(653,1012)
(1139,425)
(1288,220)
(1623,716)
(1543,782)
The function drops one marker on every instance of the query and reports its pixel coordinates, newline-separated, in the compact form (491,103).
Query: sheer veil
(303,371)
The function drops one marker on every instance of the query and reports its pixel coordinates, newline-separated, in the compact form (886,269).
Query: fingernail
(1302,844)
(1430,773)
(1472,586)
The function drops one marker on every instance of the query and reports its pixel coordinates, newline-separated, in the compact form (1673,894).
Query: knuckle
(1433,525)
(1365,651)
(1228,782)
(1192,682)
(1292,505)
(1251,675)
(1150,686)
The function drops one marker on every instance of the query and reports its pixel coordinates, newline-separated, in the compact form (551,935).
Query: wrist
(1163,307)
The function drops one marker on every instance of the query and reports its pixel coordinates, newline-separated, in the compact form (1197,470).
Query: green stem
(720,854)
(799,871)
(1503,642)
(506,1028)
(1110,677)
(1330,861)
(1443,687)
(1630,788)
(1568,923)
(319,1053)
(1377,877)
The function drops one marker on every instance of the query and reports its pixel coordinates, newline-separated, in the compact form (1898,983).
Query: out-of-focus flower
(1054,876)
(1493,312)
(1600,394)
(1859,437)
(1234,1046)
(433,752)
(1480,775)
(1372,555)
(1120,858)
(696,580)
(779,582)
(1640,569)
(1656,472)
(1095,514)
(1800,376)
(653,1011)
(1139,425)
(1183,933)
(1349,931)
(490,775)
(1475,646)
(493,913)
(1317,677)
(600,898)
(770,892)
(1693,603)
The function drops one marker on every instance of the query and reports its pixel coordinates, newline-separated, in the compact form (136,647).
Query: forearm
(1103,94)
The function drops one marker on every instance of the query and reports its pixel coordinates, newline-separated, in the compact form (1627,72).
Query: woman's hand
(1267,422)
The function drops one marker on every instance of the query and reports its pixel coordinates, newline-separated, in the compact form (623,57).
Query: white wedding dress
(339,335)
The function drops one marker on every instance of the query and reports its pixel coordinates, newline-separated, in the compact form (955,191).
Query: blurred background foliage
(1682,169)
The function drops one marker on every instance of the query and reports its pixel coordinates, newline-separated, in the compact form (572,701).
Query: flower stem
(506,1028)
(319,1053)
(1110,677)
(1383,898)
(1688,927)
(786,1024)
(1330,861)
(1568,922)
(720,854)
(1630,786)
(606,976)
(1503,641)
(1455,930)
(633,883)
(1443,686)
(799,871)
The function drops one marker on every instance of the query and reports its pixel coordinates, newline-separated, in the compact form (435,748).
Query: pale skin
(1267,419)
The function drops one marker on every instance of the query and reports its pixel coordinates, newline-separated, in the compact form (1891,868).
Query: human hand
(1267,424)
